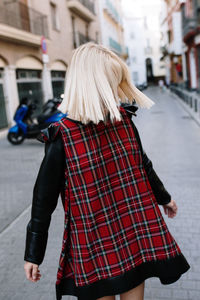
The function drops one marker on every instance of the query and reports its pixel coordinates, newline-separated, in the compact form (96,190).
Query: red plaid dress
(114,235)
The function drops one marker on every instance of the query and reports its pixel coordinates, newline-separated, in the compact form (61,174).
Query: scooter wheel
(16,138)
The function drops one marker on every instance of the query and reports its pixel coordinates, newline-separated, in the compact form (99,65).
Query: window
(169,33)
(189,8)
(1,73)
(57,74)
(58,82)
(148,50)
(97,36)
(87,30)
(145,23)
(28,74)
(54,17)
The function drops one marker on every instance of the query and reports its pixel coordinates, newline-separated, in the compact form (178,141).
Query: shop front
(3,115)
(58,73)
(58,82)
(29,82)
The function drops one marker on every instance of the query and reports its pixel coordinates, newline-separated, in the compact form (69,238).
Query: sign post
(45,57)
(46,75)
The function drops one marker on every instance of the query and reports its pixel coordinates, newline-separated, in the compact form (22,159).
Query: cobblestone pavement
(18,169)
(172,141)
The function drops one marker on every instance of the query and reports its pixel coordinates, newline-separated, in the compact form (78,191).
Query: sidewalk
(189,100)
(3,133)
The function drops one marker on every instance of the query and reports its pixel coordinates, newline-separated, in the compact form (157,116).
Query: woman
(114,235)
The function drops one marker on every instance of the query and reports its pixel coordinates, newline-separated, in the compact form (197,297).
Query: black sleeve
(161,194)
(46,191)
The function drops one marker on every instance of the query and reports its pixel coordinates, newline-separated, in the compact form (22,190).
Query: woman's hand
(170,209)
(32,272)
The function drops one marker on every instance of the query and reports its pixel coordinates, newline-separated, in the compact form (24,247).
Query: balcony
(22,24)
(190,24)
(79,39)
(189,27)
(83,8)
(89,5)
(115,46)
(112,12)
(125,53)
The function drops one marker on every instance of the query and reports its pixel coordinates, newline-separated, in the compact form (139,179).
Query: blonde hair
(97,80)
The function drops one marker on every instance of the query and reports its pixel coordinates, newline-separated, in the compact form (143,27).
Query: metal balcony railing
(191,100)
(79,39)
(20,16)
(189,25)
(115,45)
(89,4)
(192,22)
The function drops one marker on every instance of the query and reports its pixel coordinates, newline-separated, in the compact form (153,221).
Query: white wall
(107,28)
(176,46)
(134,39)
(142,17)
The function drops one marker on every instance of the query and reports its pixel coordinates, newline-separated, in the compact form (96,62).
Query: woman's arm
(161,194)
(45,197)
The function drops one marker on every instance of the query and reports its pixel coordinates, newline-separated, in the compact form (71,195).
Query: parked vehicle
(26,126)
(142,86)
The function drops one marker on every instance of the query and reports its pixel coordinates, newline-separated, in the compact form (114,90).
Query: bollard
(195,105)
(191,101)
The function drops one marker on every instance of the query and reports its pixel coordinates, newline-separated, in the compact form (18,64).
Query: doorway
(29,83)
(3,115)
(149,70)
(58,82)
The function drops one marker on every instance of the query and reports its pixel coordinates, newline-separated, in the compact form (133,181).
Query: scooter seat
(42,118)
(32,127)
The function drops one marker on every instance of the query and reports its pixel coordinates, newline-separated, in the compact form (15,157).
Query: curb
(3,133)
(186,108)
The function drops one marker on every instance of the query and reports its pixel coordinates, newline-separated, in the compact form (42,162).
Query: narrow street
(171,139)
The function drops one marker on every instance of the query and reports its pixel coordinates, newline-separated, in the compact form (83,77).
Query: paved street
(171,139)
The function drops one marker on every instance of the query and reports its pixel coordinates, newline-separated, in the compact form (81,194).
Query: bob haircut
(97,81)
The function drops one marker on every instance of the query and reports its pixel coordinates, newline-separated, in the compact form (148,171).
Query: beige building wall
(68,22)
(112,30)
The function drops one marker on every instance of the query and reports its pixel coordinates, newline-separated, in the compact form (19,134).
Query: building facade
(191,38)
(111,24)
(36,41)
(135,40)
(142,36)
(181,42)
(172,44)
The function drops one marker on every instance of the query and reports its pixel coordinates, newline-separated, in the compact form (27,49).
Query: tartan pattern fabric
(112,220)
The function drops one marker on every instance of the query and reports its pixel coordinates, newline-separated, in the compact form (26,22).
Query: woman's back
(111,213)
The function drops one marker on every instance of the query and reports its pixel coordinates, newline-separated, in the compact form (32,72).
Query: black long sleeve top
(48,186)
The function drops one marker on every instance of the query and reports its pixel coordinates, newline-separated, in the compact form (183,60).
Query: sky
(138,8)
(129,5)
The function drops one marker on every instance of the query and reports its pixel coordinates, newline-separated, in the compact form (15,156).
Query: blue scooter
(25,126)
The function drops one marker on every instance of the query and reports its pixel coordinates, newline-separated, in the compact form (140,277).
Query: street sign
(45,58)
(43,45)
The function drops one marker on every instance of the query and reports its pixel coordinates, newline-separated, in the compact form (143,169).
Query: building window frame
(54,16)
(1,75)
(28,75)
